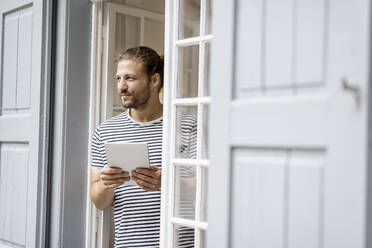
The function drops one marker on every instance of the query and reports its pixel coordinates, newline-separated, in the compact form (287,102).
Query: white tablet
(127,156)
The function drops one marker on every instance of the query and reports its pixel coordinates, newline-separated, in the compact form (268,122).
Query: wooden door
(289,124)
(21,165)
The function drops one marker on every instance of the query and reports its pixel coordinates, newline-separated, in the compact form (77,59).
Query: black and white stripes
(136,211)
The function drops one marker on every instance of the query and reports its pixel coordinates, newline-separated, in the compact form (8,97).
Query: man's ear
(155,80)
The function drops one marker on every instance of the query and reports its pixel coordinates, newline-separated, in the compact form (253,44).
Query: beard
(136,100)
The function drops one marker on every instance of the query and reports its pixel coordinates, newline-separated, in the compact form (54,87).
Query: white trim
(219,174)
(92,216)
(167,109)
(107,88)
(136,12)
(189,223)
(182,161)
(193,40)
(192,101)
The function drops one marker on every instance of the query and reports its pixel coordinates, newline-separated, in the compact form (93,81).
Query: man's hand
(148,179)
(112,177)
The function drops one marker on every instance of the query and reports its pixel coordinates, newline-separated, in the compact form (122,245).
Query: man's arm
(103,183)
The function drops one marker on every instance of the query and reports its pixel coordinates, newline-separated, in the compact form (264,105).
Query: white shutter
(21,120)
(288,139)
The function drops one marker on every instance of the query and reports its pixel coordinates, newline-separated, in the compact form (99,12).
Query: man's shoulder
(119,119)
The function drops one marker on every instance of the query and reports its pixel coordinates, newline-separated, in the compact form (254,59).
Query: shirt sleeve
(188,136)
(96,152)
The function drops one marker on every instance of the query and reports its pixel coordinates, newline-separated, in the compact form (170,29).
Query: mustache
(124,93)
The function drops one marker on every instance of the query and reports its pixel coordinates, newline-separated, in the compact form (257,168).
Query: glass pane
(189,18)
(154,35)
(127,34)
(203,239)
(204,195)
(184,191)
(188,71)
(208,17)
(205,138)
(183,236)
(186,132)
(207,55)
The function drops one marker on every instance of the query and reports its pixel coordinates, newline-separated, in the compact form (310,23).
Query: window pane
(186,132)
(205,138)
(189,18)
(127,34)
(208,17)
(183,236)
(184,191)
(188,71)
(204,195)
(154,35)
(207,50)
(203,239)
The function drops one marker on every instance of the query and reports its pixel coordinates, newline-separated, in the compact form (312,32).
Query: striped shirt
(136,211)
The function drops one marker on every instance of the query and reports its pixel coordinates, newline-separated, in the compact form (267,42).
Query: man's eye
(117,78)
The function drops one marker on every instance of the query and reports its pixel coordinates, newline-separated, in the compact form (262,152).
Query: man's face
(133,84)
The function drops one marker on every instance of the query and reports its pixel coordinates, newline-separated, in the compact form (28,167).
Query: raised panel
(279,43)
(17,60)
(9,60)
(24,65)
(258,203)
(280,46)
(310,42)
(277,198)
(305,202)
(249,38)
(14,160)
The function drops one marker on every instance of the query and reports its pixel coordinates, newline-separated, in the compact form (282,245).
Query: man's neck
(150,113)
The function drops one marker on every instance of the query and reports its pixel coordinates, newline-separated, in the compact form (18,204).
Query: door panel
(20,122)
(293,159)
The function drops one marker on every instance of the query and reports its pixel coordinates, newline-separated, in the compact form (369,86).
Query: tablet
(127,156)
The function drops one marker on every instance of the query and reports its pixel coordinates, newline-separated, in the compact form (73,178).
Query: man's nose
(122,85)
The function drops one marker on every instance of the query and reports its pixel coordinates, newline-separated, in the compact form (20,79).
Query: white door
(21,191)
(288,127)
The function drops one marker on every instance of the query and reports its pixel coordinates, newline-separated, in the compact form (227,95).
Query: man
(136,207)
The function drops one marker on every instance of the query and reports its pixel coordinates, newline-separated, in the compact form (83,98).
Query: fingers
(153,171)
(148,179)
(111,177)
(144,178)
(108,170)
(146,185)
(123,174)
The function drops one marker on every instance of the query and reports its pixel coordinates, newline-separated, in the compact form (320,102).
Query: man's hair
(151,61)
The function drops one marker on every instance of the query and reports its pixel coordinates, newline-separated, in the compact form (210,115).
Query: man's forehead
(130,66)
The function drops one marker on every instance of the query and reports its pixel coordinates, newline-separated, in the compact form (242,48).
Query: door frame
(222,54)
(69,134)
(99,223)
